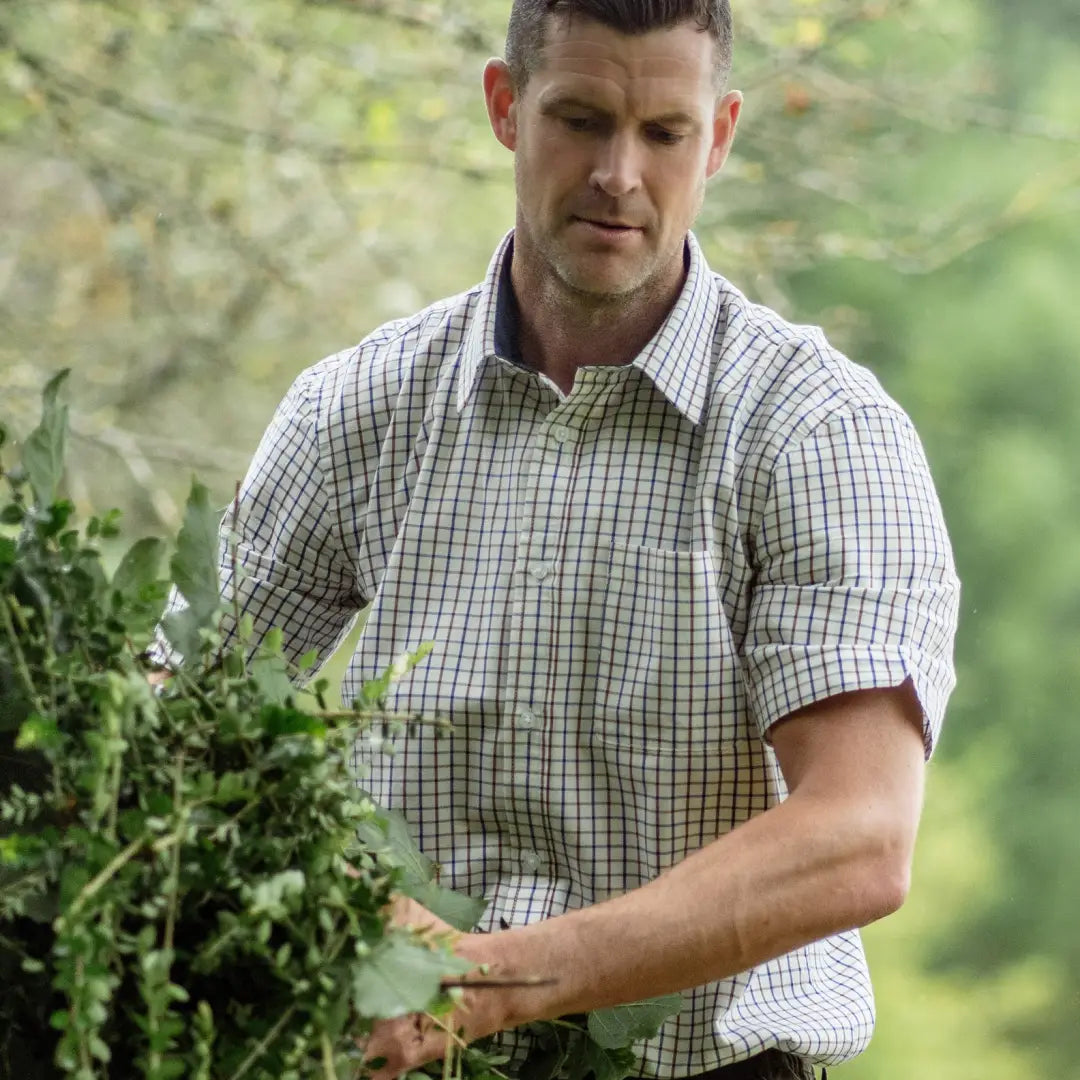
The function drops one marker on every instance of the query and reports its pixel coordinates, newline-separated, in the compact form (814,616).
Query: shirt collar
(678,358)
(480,338)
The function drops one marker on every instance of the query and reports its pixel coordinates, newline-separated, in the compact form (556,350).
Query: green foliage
(400,977)
(174,896)
(43,454)
(194,571)
(388,833)
(622,1025)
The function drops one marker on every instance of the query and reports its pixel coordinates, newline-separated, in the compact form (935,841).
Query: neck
(562,330)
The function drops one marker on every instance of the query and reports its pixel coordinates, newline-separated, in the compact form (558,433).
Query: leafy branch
(176,894)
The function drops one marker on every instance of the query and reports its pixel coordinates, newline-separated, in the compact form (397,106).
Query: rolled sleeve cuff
(783,677)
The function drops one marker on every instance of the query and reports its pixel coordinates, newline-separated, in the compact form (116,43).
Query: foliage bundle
(191,885)
(182,889)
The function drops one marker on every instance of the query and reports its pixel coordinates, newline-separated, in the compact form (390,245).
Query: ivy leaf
(623,1025)
(389,834)
(555,1044)
(271,675)
(194,564)
(138,569)
(600,1062)
(182,631)
(402,976)
(462,912)
(43,451)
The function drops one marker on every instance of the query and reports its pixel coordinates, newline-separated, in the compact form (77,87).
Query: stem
(84,1046)
(221,829)
(329,1069)
(220,944)
(264,1043)
(372,716)
(174,871)
(115,781)
(448,1062)
(182,676)
(114,803)
(20,658)
(104,876)
(498,984)
(16,947)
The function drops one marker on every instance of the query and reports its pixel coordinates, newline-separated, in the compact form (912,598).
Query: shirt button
(525,718)
(531,862)
(560,433)
(540,571)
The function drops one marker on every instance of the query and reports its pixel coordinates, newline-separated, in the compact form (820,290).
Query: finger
(401,1045)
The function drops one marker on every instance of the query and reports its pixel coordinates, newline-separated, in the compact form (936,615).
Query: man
(691,594)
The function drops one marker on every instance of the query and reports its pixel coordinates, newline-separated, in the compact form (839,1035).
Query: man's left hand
(408,1042)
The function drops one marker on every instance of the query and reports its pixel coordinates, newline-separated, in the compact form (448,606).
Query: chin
(585,276)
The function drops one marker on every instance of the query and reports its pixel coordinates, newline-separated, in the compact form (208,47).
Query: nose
(617,168)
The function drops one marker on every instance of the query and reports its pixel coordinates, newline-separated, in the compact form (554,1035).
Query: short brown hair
(529,18)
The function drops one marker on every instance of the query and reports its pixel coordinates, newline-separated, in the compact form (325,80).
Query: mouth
(612,228)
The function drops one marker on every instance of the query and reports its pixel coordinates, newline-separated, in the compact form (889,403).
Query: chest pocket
(667,675)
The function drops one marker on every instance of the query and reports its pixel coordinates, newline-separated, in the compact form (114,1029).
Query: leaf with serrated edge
(462,912)
(272,676)
(181,628)
(602,1063)
(402,976)
(390,833)
(194,564)
(623,1025)
(43,451)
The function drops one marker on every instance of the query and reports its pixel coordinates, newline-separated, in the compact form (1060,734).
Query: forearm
(799,872)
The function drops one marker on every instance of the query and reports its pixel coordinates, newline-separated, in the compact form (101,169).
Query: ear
(501,98)
(725,120)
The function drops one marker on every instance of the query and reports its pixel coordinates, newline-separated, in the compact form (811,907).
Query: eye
(579,123)
(664,136)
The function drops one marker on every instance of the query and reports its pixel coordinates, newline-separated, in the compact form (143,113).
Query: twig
(263,1044)
(174,870)
(498,984)
(328,1058)
(105,875)
(229,133)
(375,716)
(20,658)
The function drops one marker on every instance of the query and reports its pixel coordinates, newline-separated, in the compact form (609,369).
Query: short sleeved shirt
(626,586)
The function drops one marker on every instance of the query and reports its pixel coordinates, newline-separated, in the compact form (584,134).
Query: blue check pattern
(626,587)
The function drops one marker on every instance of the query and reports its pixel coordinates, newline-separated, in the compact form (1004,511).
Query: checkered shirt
(626,586)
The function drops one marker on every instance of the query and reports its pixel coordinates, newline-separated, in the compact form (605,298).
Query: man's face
(614,138)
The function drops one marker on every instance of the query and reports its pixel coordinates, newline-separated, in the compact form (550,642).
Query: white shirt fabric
(626,586)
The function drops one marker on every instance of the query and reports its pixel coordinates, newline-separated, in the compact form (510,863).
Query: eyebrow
(569,101)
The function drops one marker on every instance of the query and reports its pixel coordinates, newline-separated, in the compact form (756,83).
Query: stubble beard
(564,275)
(562,279)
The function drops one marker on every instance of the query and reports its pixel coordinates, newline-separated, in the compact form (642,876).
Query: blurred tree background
(199,198)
